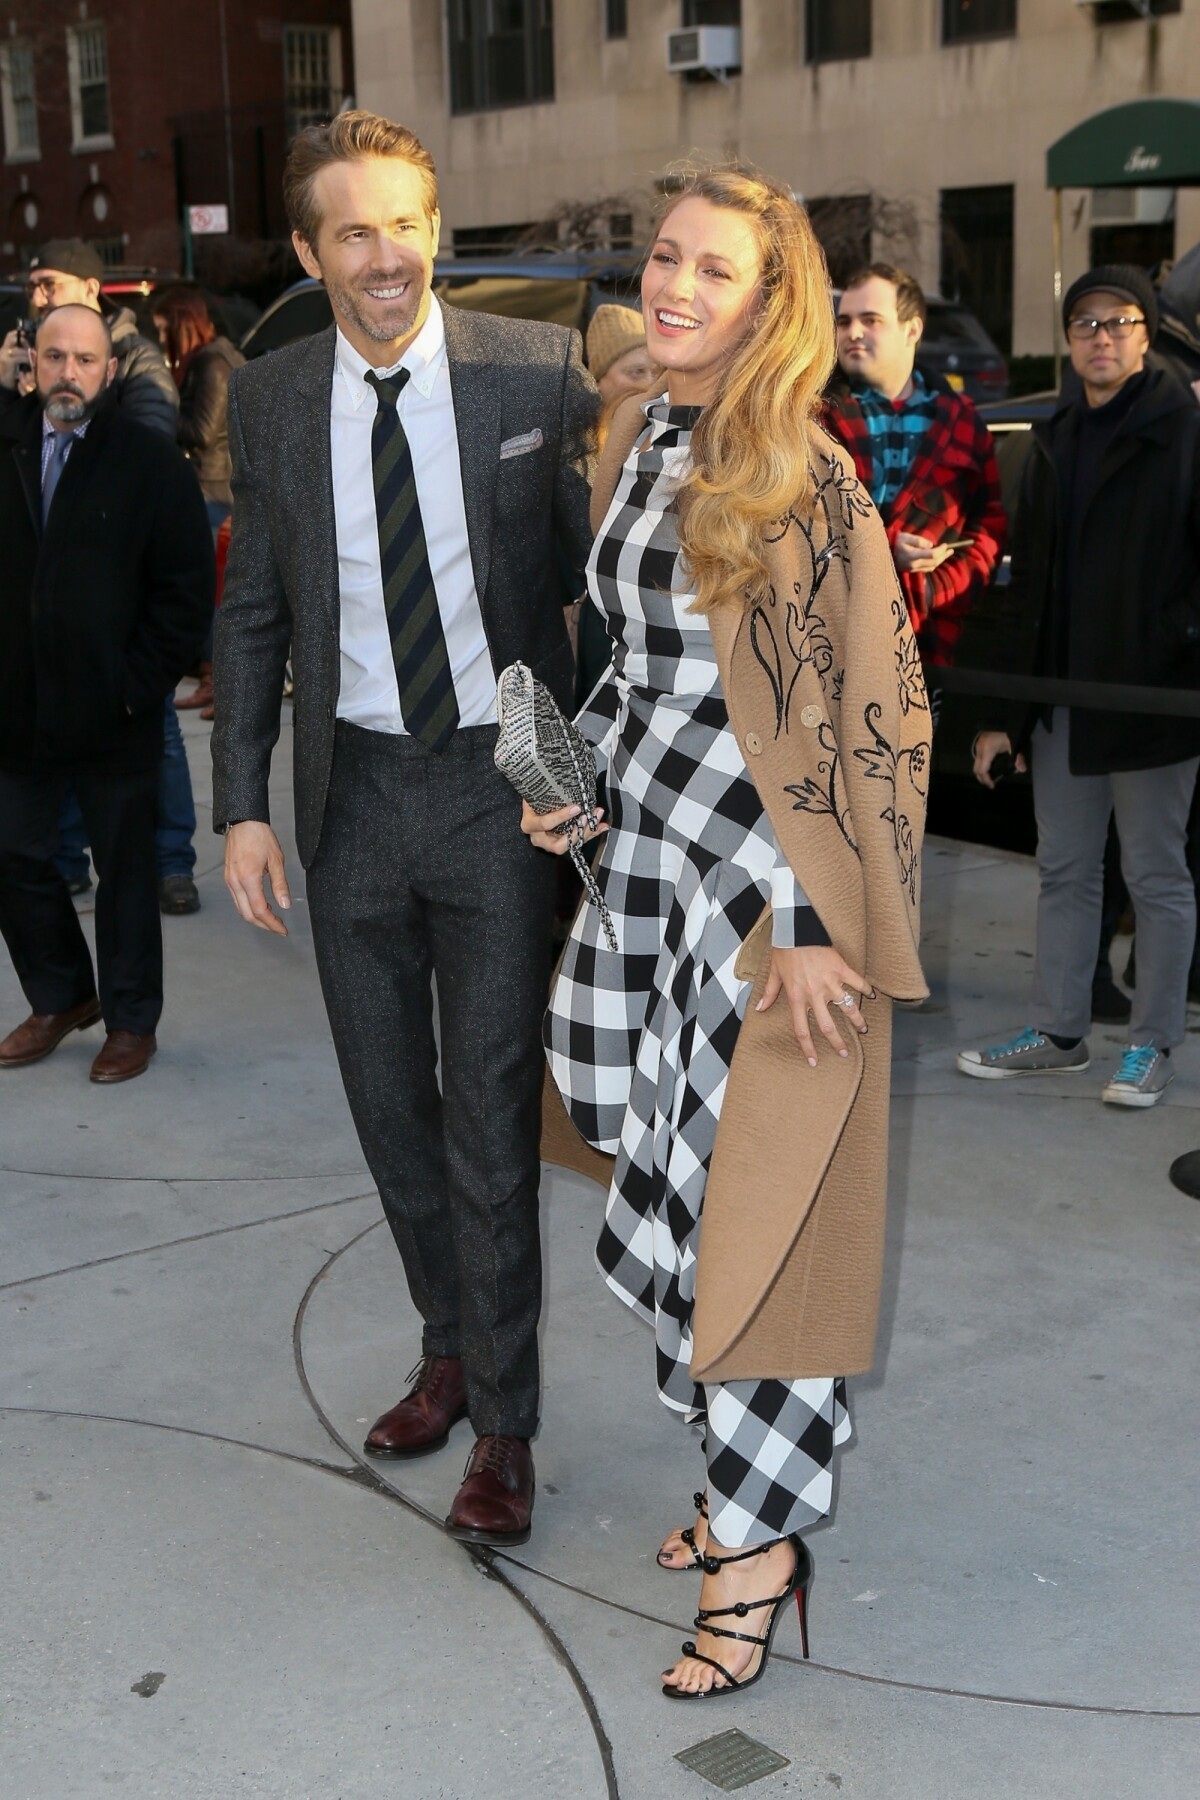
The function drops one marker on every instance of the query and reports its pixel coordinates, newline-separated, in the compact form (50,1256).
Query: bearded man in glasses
(1106,583)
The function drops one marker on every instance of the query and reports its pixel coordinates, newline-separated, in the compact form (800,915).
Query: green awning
(1146,143)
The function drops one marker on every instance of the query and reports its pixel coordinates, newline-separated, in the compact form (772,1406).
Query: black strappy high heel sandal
(688,1536)
(801,1581)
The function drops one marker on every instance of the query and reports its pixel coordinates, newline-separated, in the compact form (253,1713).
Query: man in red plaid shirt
(922,453)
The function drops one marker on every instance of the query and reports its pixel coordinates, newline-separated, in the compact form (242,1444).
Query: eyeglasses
(45,284)
(1117,328)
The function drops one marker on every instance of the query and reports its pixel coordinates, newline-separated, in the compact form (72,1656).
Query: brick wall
(178,134)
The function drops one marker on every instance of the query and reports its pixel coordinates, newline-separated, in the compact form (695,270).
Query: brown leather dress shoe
(200,695)
(421,1421)
(125,1054)
(494,1505)
(43,1032)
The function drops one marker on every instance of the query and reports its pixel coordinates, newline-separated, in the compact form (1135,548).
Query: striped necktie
(428,703)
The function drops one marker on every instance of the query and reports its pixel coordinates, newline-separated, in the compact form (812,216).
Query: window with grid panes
(312,74)
(501,53)
(837,30)
(966,19)
(19,100)
(88,62)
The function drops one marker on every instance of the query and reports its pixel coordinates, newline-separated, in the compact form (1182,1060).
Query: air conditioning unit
(716,49)
(1132,206)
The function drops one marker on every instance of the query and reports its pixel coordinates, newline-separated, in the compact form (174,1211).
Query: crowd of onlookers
(925,456)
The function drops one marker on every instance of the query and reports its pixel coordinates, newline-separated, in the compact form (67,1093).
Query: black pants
(422,874)
(38,921)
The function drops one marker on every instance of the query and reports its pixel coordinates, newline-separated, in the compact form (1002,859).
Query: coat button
(754,743)
(811,716)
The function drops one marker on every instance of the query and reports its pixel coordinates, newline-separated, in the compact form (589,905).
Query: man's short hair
(351,137)
(910,296)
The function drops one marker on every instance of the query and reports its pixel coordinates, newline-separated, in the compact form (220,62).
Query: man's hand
(15,373)
(988,746)
(251,852)
(914,555)
(815,978)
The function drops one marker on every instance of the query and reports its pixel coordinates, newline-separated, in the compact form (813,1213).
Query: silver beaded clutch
(551,765)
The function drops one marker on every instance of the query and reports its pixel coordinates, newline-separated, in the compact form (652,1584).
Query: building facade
(915,129)
(119,113)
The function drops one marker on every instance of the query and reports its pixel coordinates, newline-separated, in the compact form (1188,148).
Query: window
(312,74)
(501,53)
(963,20)
(19,102)
(837,30)
(87,68)
(712,12)
(616,18)
(977,255)
(620,231)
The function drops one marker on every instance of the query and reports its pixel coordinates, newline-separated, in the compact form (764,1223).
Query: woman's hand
(539,827)
(815,979)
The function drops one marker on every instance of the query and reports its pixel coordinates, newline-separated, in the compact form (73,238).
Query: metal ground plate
(731,1760)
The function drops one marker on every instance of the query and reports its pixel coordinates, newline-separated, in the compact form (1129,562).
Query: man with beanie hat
(1106,588)
(617,358)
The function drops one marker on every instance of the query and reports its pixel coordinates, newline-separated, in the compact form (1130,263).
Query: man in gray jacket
(408,487)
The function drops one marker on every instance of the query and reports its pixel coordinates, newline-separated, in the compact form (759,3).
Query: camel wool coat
(826,698)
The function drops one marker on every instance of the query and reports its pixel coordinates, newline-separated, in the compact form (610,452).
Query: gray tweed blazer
(527,521)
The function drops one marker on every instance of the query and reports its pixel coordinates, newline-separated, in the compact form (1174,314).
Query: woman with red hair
(201,361)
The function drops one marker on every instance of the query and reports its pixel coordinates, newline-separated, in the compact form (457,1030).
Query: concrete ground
(208,1596)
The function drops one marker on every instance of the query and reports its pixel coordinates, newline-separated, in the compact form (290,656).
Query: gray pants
(422,872)
(1151,808)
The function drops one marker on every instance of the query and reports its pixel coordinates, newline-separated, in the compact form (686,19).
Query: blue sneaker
(1029,1053)
(1142,1077)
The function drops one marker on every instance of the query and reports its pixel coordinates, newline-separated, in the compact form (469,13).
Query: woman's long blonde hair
(750,449)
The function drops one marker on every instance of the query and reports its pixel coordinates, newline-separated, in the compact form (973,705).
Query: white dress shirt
(368,695)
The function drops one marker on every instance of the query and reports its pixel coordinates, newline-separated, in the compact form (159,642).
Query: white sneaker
(1143,1075)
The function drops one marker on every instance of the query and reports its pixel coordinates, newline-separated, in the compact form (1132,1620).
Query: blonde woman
(765,743)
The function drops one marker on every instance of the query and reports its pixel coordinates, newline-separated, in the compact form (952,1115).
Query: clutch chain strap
(576,829)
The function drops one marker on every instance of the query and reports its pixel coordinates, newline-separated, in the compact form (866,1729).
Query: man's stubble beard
(399,323)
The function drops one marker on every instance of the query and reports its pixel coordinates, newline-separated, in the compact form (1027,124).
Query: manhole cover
(731,1760)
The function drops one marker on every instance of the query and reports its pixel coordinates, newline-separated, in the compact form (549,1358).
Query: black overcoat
(101,614)
(1133,612)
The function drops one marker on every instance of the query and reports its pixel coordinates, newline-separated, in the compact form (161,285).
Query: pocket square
(522,445)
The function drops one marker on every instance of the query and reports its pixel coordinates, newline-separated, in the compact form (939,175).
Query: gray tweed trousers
(422,875)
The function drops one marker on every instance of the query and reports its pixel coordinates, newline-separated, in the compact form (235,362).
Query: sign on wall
(208,221)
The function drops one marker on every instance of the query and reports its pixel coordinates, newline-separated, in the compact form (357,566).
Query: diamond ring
(847,999)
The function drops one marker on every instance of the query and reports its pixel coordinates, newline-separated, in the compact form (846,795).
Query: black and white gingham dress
(640,1040)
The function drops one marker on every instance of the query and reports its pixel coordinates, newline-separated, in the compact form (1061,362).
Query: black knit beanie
(1125,279)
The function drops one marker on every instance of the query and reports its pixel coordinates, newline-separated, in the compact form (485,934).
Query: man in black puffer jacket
(1106,584)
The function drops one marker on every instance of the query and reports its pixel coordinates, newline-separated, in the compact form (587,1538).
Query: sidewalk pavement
(208,1596)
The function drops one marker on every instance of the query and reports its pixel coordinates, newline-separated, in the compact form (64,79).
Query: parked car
(134,287)
(956,347)
(564,287)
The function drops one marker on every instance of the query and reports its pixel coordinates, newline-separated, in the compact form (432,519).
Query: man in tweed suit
(409,489)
